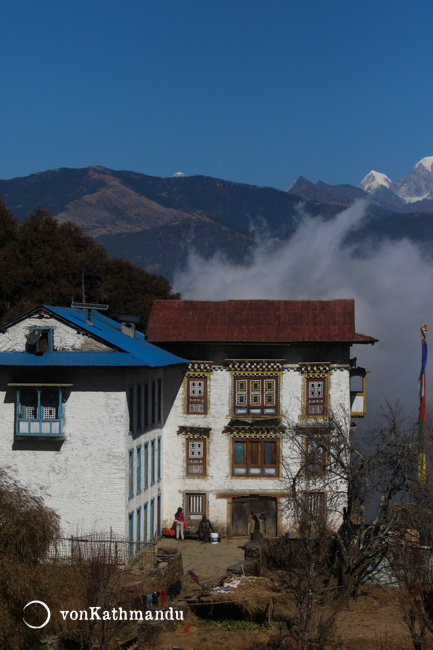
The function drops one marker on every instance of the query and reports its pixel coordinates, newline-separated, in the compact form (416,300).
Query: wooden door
(241,509)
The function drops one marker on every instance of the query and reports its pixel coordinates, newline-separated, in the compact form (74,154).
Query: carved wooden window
(316,396)
(255,457)
(315,455)
(255,395)
(196,395)
(196,457)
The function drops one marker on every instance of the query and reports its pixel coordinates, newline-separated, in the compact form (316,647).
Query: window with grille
(39,411)
(315,502)
(255,457)
(316,397)
(196,395)
(195,506)
(255,395)
(315,455)
(195,457)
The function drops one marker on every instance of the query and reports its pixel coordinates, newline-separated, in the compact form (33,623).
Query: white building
(255,364)
(116,433)
(81,418)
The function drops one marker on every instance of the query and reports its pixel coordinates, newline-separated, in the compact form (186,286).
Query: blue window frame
(159,458)
(138,470)
(138,536)
(146,465)
(131,533)
(40,340)
(158,515)
(152,518)
(39,411)
(145,522)
(152,445)
(131,473)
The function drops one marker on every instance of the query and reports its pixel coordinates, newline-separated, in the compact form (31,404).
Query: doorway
(241,508)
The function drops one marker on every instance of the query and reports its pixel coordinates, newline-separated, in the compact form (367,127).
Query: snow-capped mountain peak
(373,181)
(418,183)
(426,162)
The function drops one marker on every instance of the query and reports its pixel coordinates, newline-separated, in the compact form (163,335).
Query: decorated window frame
(254,457)
(196,388)
(255,387)
(196,456)
(315,390)
(315,454)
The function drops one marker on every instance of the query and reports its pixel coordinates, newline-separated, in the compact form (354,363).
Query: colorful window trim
(315,455)
(256,395)
(196,397)
(315,390)
(252,457)
(159,459)
(39,412)
(196,456)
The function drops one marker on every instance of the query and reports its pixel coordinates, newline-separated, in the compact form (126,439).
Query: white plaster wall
(219,478)
(64,337)
(83,479)
(137,439)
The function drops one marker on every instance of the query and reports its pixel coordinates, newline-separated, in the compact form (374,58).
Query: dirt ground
(208,561)
(373,621)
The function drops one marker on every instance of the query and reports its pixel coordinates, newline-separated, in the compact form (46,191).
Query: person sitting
(205,529)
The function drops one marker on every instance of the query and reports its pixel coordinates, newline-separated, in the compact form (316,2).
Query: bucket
(214,538)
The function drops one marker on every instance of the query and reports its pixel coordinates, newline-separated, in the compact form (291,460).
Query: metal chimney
(128,324)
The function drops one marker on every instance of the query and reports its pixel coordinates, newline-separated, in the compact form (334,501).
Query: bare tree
(348,495)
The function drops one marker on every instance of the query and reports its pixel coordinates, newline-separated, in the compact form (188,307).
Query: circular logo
(39,602)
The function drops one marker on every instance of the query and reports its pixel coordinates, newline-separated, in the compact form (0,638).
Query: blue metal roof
(131,351)
(69,359)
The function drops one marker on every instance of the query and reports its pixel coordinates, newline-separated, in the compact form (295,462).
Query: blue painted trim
(145,508)
(146,465)
(152,453)
(39,419)
(159,459)
(152,518)
(139,469)
(131,533)
(138,536)
(131,473)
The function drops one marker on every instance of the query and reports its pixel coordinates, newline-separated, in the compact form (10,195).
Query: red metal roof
(254,321)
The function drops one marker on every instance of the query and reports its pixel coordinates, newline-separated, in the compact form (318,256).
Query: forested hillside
(42,261)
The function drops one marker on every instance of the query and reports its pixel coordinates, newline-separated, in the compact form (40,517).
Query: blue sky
(243,90)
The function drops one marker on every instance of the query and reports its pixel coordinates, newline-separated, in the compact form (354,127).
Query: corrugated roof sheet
(128,351)
(114,359)
(254,321)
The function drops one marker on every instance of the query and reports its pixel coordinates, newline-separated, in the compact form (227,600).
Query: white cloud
(391,283)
